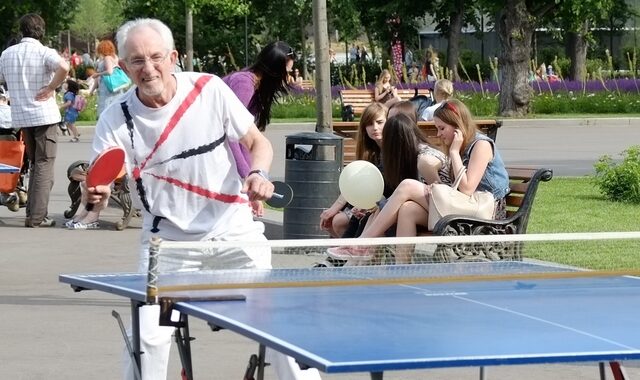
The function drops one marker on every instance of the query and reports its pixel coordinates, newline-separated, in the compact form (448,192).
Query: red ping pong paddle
(105,169)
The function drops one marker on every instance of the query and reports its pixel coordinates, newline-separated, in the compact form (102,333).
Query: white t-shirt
(427,114)
(197,196)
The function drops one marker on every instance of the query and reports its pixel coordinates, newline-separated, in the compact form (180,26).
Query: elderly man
(32,73)
(173,127)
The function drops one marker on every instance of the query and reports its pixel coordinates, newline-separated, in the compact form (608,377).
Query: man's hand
(257,187)
(45,93)
(98,196)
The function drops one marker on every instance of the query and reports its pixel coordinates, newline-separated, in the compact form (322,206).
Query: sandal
(82,226)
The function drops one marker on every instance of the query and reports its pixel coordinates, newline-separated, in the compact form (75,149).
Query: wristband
(259,172)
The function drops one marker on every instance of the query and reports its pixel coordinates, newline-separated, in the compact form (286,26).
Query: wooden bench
(307,84)
(358,100)
(524,183)
(349,129)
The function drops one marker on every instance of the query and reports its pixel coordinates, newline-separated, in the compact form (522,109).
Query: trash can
(313,164)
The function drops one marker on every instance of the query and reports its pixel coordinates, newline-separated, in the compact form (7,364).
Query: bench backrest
(523,182)
(306,84)
(360,99)
(349,130)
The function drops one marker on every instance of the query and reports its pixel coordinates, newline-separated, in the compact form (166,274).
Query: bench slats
(349,130)
(360,99)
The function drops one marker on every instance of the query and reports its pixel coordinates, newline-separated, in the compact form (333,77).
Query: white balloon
(361,184)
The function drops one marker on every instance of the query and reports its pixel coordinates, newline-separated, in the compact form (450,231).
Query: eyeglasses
(138,62)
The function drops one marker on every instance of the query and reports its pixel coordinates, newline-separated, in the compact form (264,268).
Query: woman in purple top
(258,87)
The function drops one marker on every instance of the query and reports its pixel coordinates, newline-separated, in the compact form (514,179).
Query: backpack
(79,103)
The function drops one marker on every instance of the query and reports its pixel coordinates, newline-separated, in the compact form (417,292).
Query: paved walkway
(48,332)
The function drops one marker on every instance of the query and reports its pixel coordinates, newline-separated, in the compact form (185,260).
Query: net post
(152,273)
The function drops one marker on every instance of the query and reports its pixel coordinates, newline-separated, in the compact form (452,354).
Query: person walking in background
(107,61)
(32,73)
(70,112)
(258,87)
(442,91)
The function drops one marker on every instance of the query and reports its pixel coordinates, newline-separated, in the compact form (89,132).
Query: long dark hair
(271,65)
(401,139)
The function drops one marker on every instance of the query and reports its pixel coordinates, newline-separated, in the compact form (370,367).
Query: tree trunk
(577,51)
(453,48)
(515,30)
(189,38)
(303,44)
(372,46)
(323,78)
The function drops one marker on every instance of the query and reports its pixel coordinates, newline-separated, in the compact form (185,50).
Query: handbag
(117,80)
(11,153)
(447,200)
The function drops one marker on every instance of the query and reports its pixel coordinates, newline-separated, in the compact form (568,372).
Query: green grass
(575,205)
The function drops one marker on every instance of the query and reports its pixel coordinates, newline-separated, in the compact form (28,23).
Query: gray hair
(161,28)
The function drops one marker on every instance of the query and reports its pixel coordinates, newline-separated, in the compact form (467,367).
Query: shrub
(620,181)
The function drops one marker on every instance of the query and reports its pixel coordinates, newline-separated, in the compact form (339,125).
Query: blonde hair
(383,74)
(443,89)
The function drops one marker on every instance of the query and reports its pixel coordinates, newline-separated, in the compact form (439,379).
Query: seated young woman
(468,148)
(405,154)
(385,92)
(336,218)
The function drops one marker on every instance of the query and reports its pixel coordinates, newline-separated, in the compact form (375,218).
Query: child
(70,113)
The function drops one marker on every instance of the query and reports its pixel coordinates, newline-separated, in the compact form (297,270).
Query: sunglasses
(449,106)
(291,53)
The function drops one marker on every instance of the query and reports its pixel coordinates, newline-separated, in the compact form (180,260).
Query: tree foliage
(56,14)
(95,18)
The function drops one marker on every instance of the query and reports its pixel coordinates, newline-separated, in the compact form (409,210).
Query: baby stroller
(13,190)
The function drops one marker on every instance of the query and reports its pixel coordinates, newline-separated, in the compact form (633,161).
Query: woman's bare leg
(408,190)
(339,225)
(410,215)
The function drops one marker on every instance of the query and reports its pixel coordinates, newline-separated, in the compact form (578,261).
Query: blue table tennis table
(4,168)
(378,328)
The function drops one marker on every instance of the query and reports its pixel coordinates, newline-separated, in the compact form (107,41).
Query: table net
(197,268)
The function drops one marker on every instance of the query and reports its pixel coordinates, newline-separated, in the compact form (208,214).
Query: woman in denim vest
(468,148)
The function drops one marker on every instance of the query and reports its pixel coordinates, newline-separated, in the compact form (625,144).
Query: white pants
(155,340)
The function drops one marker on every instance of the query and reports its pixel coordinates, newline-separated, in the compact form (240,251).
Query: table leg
(261,356)
(183,341)
(133,346)
(483,373)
